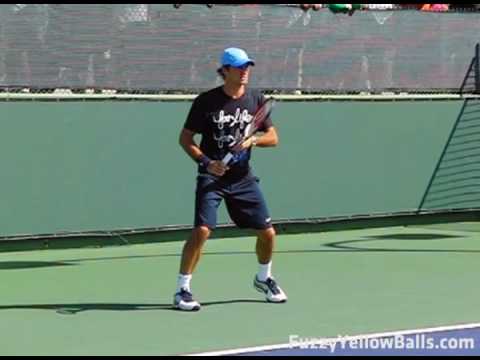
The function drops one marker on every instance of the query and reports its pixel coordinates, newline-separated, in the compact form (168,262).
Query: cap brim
(249,62)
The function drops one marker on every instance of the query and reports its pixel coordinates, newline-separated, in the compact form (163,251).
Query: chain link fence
(161,48)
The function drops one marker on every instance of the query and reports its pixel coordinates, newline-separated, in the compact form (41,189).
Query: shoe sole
(195,308)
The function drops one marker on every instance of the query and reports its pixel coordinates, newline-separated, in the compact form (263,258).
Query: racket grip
(226,159)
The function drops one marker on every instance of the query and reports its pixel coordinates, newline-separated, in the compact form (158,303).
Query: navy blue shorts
(244,200)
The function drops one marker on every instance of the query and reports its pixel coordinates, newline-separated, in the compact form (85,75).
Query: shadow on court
(413,237)
(72,309)
(347,244)
(15,265)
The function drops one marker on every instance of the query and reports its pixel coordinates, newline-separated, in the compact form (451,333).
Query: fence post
(477,68)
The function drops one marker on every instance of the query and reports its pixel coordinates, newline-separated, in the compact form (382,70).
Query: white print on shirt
(231,127)
(223,139)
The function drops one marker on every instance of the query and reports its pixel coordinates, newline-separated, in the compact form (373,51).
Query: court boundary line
(338,339)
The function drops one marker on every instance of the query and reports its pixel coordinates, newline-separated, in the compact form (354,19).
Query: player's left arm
(268,138)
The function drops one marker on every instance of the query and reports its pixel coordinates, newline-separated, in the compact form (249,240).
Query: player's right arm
(187,142)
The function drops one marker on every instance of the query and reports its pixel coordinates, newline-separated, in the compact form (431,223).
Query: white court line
(337,339)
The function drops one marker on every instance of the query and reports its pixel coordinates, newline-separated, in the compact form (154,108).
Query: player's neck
(233,90)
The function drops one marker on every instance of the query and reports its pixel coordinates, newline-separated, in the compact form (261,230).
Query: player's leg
(265,245)
(264,280)
(207,199)
(247,208)
(192,249)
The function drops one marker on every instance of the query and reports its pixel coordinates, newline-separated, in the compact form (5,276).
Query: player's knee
(201,233)
(267,234)
(198,237)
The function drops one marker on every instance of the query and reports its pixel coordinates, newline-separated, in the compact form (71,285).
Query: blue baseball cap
(235,57)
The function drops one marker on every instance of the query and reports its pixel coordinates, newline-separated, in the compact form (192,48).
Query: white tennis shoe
(183,300)
(271,289)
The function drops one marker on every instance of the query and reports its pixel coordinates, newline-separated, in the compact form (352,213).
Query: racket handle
(226,159)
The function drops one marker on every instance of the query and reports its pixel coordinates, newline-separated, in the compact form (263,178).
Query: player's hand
(217,168)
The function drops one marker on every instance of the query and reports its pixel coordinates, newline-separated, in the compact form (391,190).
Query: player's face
(238,75)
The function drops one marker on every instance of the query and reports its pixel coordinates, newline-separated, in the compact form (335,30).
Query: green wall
(75,166)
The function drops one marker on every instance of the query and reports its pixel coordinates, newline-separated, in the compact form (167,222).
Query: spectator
(434,7)
(379,6)
(345,8)
(411,6)
(307,7)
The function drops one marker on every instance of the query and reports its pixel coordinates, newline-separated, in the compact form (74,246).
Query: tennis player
(221,115)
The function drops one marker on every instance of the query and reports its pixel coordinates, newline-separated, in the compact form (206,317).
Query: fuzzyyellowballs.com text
(395,342)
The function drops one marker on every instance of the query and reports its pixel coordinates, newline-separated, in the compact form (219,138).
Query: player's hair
(220,71)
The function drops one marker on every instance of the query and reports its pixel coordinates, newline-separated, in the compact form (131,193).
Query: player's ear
(221,71)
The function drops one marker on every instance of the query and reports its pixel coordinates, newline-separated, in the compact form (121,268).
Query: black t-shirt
(222,120)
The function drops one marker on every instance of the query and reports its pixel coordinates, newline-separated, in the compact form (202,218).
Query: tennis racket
(262,113)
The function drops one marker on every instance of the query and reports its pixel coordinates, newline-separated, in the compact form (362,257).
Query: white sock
(183,282)
(264,271)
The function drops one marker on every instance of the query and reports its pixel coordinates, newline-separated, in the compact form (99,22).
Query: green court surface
(117,300)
